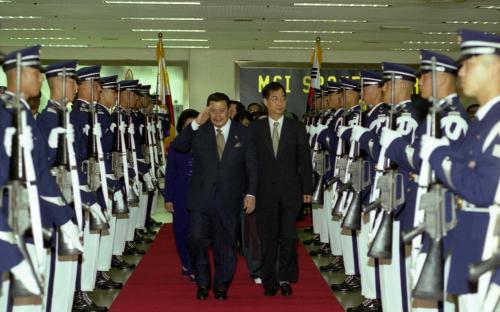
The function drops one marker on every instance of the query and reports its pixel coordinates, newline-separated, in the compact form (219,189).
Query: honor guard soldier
(86,129)
(54,124)
(21,134)
(471,170)
(107,101)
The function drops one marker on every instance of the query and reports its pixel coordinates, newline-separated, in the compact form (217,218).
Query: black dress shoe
(220,294)
(118,263)
(286,289)
(103,281)
(82,302)
(310,241)
(202,293)
(368,305)
(270,289)
(351,283)
(130,249)
(332,267)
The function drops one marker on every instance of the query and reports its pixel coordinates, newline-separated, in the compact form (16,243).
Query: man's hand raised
(203,116)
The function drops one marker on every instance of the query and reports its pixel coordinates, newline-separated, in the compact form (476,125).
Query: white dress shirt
(280,125)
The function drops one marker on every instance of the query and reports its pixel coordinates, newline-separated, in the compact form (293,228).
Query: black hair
(272,86)
(185,115)
(239,107)
(217,97)
(242,115)
(254,104)
(471,107)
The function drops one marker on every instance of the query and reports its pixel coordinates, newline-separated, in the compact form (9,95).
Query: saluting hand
(249,205)
(203,116)
(307,199)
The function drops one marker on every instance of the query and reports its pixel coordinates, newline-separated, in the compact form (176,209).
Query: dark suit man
(224,180)
(285,182)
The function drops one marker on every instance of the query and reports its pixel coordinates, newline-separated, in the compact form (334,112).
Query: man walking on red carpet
(285,182)
(224,179)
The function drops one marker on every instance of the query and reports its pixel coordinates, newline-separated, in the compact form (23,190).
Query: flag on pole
(316,59)
(163,88)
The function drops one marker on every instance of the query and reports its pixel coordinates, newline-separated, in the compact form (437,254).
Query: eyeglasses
(276,99)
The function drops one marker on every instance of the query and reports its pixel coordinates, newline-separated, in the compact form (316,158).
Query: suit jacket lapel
(230,141)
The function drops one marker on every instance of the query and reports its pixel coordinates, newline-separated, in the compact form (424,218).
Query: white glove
(54,136)
(97,130)
(136,188)
(122,127)
(72,234)
(112,127)
(428,144)
(118,197)
(388,136)
(7,140)
(148,180)
(131,130)
(27,139)
(96,211)
(70,134)
(158,125)
(140,129)
(341,130)
(25,274)
(357,132)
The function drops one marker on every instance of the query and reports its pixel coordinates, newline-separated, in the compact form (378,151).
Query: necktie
(219,138)
(275,138)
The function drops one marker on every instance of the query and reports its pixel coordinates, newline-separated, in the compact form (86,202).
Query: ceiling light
(19,17)
(5,1)
(42,38)
(170,30)
(415,49)
(295,48)
(317,31)
(490,7)
(181,47)
(30,29)
(350,5)
(65,45)
(325,20)
(471,22)
(305,41)
(430,42)
(175,39)
(439,33)
(163,18)
(154,2)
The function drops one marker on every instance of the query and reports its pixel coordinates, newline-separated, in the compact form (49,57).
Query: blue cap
(473,42)
(324,89)
(350,84)
(89,72)
(334,86)
(444,63)
(317,92)
(57,69)
(370,78)
(30,57)
(128,85)
(401,72)
(109,82)
(144,89)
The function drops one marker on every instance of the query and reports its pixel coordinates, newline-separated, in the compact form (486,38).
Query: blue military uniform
(472,170)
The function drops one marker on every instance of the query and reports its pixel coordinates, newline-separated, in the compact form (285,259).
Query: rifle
(96,172)
(131,153)
(65,171)
(385,192)
(23,200)
(160,148)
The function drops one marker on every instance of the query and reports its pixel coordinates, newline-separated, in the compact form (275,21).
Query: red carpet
(157,285)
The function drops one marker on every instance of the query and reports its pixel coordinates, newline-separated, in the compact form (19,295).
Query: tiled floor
(106,297)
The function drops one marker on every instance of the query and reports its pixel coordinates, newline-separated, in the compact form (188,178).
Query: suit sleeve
(305,161)
(170,176)
(251,164)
